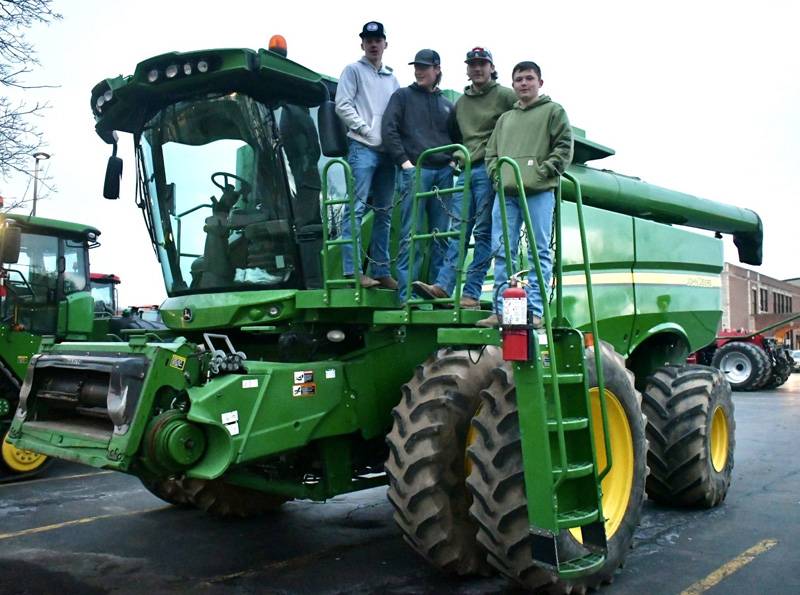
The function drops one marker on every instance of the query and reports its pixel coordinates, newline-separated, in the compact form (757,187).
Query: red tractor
(750,361)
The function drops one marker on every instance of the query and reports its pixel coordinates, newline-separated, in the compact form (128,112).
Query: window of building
(755,301)
(763,295)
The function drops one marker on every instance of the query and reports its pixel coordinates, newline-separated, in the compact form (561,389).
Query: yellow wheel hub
(719,439)
(21,461)
(617,485)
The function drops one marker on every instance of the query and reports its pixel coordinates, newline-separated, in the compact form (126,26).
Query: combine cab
(45,293)
(287,382)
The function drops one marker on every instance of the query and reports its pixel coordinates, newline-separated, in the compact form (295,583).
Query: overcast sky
(700,97)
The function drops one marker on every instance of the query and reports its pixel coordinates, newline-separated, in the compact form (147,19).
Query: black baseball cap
(372,29)
(479,53)
(427,58)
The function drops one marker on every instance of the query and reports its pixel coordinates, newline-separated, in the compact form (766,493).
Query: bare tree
(19,137)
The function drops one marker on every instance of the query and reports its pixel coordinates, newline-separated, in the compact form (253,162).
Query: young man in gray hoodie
(362,94)
(415,120)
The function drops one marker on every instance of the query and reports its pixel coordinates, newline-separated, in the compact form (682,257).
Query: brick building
(752,300)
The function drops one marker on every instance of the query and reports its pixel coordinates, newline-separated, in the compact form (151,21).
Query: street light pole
(38,157)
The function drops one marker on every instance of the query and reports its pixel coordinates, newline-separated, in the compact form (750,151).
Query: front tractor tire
(426,464)
(691,430)
(497,481)
(745,365)
(17,464)
(214,496)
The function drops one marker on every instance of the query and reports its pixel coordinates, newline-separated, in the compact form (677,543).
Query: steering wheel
(246,186)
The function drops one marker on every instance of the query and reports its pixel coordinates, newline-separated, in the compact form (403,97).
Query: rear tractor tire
(498,488)
(427,466)
(214,496)
(745,365)
(691,430)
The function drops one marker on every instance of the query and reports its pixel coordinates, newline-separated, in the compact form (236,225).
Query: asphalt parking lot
(80,530)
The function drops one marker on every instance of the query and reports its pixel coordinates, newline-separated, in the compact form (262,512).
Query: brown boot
(386,282)
(430,292)
(368,282)
(470,303)
(490,322)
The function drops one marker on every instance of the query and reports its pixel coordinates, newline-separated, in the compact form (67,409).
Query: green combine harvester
(44,266)
(286,382)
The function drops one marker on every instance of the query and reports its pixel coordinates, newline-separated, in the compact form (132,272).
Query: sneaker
(386,282)
(430,292)
(470,303)
(490,322)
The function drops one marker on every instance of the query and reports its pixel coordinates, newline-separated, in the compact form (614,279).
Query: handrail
(593,319)
(562,446)
(416,197)
(355,233)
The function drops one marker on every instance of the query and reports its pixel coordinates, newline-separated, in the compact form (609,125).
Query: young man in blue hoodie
(362,94)
(415,120)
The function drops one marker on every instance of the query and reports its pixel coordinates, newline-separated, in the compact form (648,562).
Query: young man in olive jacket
(476,113)
(415,120)
(538,136)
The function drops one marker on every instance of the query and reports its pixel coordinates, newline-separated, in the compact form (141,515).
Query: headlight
(100,101)
(152,76)
(171,71)
(108,95)
(187,69)
(202,66)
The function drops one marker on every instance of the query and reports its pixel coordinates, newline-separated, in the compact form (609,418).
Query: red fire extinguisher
(516,332)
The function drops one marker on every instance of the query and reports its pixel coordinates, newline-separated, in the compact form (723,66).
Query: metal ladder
(328,243)
(562,479)
(415,237)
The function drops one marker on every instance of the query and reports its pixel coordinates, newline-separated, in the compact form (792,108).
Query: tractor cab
(45,284)
(104,294)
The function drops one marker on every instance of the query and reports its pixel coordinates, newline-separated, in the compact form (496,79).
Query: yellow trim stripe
(74,522)
(638,278)
(730,567)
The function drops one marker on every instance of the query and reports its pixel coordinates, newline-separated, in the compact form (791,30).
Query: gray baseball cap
(427,58)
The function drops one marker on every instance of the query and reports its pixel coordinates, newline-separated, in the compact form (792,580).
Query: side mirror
(10,244)
(113,175)
(332,133)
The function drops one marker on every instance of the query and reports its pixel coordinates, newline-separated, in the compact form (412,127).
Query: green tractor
(505,449)
(44,265)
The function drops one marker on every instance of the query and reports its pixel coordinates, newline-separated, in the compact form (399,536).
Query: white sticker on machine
(330,373)
(231,421)
(250,383)
(304,376)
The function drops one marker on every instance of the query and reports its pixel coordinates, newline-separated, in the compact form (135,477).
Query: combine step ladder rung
(569,424)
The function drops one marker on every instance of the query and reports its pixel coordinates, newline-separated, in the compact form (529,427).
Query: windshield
(213,177)
(103,296)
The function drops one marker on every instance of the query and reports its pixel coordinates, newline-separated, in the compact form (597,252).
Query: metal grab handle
(593,319)
(562,446)
(355,234)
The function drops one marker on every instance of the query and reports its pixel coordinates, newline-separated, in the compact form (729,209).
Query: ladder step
(335,201)
(564,379)
(569,424)
(575,470)
(339,242)
(576,517)
(578,567)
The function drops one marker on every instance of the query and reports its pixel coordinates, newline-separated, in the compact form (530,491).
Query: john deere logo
(187,315)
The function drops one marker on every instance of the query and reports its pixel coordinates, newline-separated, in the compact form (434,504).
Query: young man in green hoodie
(538,136)
(475,115)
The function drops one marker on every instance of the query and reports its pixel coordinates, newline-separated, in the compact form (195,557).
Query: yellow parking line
(72,523)
(30,481)
(730,567)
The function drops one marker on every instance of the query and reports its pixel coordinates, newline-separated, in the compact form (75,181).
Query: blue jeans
(540,206)
(373,175)
(479,225)
(438,218)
